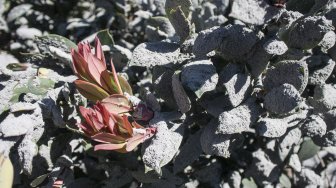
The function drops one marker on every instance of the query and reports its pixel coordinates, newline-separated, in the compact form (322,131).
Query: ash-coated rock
(282,99)
(199,76)
(155,53)
(328,41)
(208,40)
(238,42)
(271,127)
(161,149)
(240,118)
(262,168)
(307,32)
(290,72)
(219,144)
(181,97)
(321,70)
(323,99)
(275,47)
(253,11)
(314,126)
(238,88)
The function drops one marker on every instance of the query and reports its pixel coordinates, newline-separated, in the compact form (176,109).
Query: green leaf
(39,180)
(53,37)
(178,12)
(91,91)
(308,149)
(6,172)
(36,86)
(249,183)
(125,87)
(105,37)
(17,67)
(285,181)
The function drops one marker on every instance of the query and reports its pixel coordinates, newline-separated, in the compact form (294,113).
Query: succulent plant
(112,131)
(94,81)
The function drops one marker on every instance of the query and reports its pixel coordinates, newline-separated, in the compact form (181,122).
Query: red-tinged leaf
(86,50)
(79,65)
(109,146)
(127,125)
(134,142)
(99,51)
(108,138)
(117,104)
(125,87)
(115,78)
(95,68)
(91,91)
(106,78)
(98,125)
(85,113)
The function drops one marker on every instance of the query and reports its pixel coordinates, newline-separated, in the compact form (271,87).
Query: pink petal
(134,142)
(95,68)
(109,146)
(99,51)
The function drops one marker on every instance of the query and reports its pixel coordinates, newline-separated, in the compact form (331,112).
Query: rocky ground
(243,92)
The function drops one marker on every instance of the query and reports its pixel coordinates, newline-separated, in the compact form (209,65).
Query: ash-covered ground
(243,92)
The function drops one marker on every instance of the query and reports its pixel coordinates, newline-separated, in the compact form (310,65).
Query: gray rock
(254,12)
(263,169)
(275,47)
(309,178)
(16,126)
(27,150)
(319,73)
(238,42)
(240,118)
(181,97)
(295,163)
(235,179)
(228,72)
(215,21)
(282,99)
(189,152)
(328,41)
(258,61)
(18,11)
(162,84)
(332,52)
(208,40)
(28,33)
(330,119)
(314,126)
(161,149)
(156,53)
(308,32)
(215,105)
(271,128)
(238,88)
(7,59)
(22,106)
(290,72)
(210,174)
(288,141)
(199,76)
(323,99)
(219,144)
(331,15)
